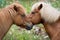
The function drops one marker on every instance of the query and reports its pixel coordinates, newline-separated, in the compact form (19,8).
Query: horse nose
(29,26)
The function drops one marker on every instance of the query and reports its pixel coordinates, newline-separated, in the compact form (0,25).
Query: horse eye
(33,12)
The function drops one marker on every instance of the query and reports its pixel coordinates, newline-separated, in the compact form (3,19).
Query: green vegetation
(14,33)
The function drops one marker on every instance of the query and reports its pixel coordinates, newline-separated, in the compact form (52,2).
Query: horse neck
(52,29)
(5,22)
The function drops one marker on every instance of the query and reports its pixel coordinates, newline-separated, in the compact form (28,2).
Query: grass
(15,34)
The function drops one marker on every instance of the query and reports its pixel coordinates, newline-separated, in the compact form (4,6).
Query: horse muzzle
(29,26)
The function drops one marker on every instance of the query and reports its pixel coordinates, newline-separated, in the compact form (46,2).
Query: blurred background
(38,32)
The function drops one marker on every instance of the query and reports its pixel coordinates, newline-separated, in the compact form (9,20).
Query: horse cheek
(18,20)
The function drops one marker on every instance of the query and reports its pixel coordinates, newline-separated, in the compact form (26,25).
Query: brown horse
(47,15)
(13,14)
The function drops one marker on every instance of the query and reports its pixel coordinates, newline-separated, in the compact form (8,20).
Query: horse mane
(48,13)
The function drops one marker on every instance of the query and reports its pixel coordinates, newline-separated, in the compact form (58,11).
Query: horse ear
(40,6)
(15,8)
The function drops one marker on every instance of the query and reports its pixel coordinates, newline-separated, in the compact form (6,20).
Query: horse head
(35,15)
(17,12)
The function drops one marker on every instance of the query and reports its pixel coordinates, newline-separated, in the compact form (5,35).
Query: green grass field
(14,33)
